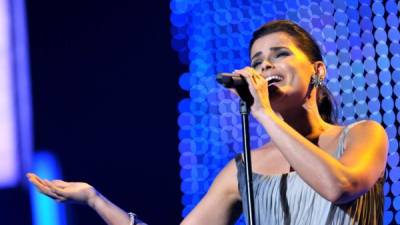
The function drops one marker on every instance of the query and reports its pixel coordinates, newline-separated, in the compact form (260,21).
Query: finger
(41,185)
(243,72)
(254,79)
(57,192)
(61,193)
(249,76)
(33,176)
(60,183)
(36,182)
(257,78)
(29,174)
(54,189)
(47,191)
(246,73)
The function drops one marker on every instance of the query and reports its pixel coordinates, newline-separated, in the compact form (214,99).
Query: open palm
(78,192)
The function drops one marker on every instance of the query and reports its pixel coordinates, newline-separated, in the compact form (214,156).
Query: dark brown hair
(304,41)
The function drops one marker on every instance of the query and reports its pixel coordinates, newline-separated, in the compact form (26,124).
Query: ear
(320,69)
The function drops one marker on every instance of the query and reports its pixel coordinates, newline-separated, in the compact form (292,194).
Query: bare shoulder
(366,123)
(366,131)
(366,146)
(226,181)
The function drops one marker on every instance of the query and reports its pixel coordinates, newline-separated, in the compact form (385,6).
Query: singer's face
(276,54)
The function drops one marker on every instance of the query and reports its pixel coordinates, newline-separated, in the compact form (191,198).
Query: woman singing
(312,172)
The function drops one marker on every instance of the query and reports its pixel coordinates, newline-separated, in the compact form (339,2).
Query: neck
(306,120)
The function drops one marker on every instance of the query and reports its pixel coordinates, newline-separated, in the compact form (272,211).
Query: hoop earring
(316,81)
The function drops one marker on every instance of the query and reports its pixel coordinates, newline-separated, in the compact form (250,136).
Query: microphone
(230,80)
(237,82)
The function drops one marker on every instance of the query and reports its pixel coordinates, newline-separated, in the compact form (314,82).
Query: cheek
(298,76)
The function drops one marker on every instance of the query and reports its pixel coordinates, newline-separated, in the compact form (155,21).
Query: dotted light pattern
(360,41)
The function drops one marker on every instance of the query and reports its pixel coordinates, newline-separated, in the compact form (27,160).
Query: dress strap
(340,149)
(239,161)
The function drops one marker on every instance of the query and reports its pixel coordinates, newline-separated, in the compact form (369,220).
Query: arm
(110,213)
(339,181)
(219,205)
(81,193)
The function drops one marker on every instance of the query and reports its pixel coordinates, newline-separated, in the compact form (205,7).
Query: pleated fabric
(306,206)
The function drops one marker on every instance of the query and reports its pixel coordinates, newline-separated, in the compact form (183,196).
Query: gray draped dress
(307,207)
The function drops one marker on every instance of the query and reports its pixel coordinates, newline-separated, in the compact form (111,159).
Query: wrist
(262,114)
(93,197)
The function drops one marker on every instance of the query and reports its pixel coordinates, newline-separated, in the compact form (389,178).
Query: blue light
(365,11)
(46,211)
(387,217)
(393,145)
(393,159)
(382,48)
(386,91)
(387,203)
(362,54)
(368,51)
(396,203)
(391,131)
(395,62)
(374,105)
(356,53)
(397,217)
(392,20)
(341,18)
(394,174)
(394,34)
(395,188)
(395,48)
(380,35)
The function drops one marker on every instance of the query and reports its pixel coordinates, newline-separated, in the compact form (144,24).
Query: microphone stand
(244,111)
(246,100)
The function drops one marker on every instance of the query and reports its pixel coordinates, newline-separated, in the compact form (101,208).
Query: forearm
(318,168)
(111,214)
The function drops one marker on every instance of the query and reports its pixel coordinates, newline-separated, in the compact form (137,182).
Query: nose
(266,65)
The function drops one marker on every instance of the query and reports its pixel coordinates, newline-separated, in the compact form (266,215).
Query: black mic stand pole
(246,100)
(244,111)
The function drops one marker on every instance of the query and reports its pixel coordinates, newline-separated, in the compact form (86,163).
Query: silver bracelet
(131,218)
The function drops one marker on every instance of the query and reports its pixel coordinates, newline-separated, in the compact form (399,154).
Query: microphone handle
(230,80)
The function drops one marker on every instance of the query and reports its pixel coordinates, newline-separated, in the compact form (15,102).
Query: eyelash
(282,54)
(279,54)
(255,64)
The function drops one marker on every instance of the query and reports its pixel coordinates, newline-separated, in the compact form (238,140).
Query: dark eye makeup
(277,55)
(281,54)
(255,64)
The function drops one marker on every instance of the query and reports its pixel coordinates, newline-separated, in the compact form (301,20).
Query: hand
(258,87)
(62,191)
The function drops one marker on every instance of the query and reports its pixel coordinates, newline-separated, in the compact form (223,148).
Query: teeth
(277,77)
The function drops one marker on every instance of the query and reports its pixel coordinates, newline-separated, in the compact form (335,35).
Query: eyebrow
(273,49)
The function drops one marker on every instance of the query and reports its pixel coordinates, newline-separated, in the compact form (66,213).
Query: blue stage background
(360,41)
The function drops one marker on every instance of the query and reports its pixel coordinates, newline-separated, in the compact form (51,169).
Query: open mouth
(274,79)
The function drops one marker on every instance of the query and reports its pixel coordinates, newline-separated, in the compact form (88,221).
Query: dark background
(105,92)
